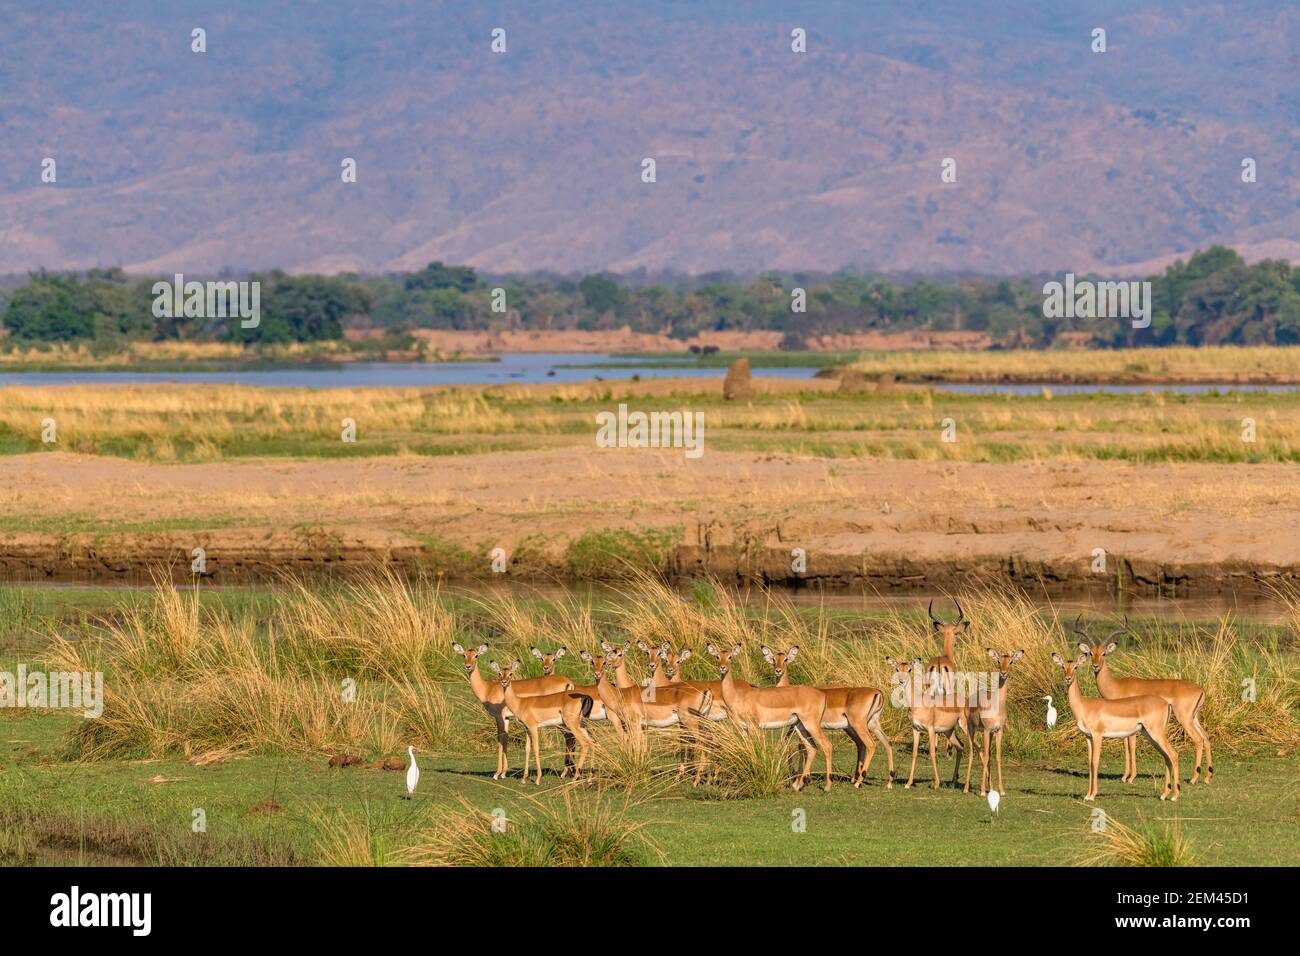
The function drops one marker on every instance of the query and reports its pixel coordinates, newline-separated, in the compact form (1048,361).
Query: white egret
(412,774)
(994,799)
(1051,712)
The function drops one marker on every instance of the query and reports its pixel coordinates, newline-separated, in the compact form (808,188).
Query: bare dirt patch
(891,524)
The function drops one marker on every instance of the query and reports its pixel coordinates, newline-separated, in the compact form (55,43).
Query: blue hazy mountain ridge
(170,160)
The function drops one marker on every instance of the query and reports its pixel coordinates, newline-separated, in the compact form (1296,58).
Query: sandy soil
(890,524)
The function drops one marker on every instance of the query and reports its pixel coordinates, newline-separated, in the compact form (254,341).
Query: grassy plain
(229,703)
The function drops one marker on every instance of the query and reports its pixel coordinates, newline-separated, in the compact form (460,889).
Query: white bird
(994,799)
(1051,712)
(412,774)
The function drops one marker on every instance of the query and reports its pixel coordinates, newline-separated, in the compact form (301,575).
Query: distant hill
(1066,159)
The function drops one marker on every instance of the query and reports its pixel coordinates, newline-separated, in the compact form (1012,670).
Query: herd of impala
(931,692)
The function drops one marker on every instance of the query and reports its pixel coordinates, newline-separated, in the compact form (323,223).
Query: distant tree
(601,293)
(438,276)
(304,309)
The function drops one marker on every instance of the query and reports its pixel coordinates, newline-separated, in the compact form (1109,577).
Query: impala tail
(706,703)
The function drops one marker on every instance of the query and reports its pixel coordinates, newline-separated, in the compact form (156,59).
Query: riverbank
(1171,529)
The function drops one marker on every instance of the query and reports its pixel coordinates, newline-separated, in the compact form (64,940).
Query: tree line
(1212,298)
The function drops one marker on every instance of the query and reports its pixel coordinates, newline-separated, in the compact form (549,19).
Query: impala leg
(1186,719)
(984,764)
(528,749)
(810,752)
(568,754)
(1160,741)
(916,746)
(1096,765)
(584,748)
(999,745)
(934,760)
(1130,760)
(854,736)
(879,733)
(823,742)
(537,755)
(970,757)
(1205,738)
(1088,794)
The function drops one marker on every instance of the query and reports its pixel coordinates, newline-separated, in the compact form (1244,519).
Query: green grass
(1248,816)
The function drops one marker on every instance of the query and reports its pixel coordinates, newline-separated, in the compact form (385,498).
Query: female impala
(992,719)
(565,709)
(1185,697)
(655,656)
(492,697)
(1098,718)
(929,713)
(854,710)
(548,660)
(769,708)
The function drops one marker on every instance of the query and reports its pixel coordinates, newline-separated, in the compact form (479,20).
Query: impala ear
(666,647)
(1016,656)
(537,653)
(1111,646)
(496,668)
(606,646)
(965,626)
(627,646)
(457,648)
(1085,648)
(891,662)
(514,668)
(768,655)
(641,646)
(560,652)
(938,625)
(1058,659)
(586,656)
(916,664)
(662,654)
(683,655)
(1083,658)
(993,654)
(713,650)
(482,648)
(735,650)
(792,653)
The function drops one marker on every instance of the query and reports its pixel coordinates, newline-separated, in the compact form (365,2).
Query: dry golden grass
(1155,845)
(368,667)
(1178,364)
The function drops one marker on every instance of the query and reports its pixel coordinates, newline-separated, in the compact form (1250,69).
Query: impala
(1099,718)
(655,655)
(992,719)
(674,670)
(769,708)
(548,660)
(933,718)
(653,706)
(943,664)
(492,697)
(564,709)
(1185,697)
(854,710)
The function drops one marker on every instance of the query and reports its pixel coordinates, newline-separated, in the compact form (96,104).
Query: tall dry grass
(574,828)
(367,666)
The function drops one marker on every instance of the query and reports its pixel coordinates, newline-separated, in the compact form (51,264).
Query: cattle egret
(1051,712)
(412,774)
(994,799)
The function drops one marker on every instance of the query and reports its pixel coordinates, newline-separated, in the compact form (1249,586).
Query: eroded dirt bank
(564,515)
